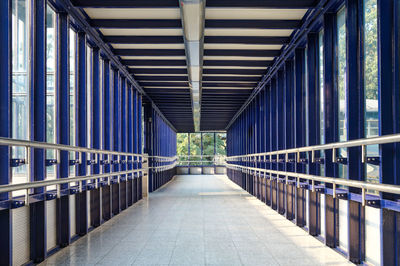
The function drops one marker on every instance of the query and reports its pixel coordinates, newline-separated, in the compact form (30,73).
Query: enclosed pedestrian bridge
(199,132)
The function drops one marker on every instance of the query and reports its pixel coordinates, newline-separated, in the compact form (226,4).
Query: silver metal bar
(44,183)
(54,146)
(394,189)
(393,138)
(363,154)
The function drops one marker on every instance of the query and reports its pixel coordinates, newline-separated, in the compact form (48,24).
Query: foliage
(195,143)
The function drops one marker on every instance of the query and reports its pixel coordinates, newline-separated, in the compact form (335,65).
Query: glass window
(341,81)
(220,143)
(195,147)
(220,148)
(50,88)
(20,85)
(321,87)
(72,96)
(89,60)
(208,148)
(371,116)
(321,95)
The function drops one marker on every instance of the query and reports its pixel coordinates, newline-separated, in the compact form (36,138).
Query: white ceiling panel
(133,13)
(254,13)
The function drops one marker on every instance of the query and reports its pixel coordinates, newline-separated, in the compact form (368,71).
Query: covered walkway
(198,220)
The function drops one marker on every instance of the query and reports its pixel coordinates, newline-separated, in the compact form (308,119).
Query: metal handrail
(60,181)
(394,189)
(331,146)
(54,146)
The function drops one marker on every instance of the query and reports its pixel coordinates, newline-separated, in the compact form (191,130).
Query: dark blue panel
(81,201)
(63,125)
(38,128)
(95,211)
(5,129)
(330,101)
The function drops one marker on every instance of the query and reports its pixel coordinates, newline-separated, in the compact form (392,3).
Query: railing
(201,160)
(162,163)
(101,158)
(268,157)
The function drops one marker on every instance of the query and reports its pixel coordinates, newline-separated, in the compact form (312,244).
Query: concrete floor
(198,220)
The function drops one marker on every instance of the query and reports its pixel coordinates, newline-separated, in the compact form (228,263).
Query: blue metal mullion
(123,185)
(116,142)
(139,150)
(268,143)
(95,208)
(299,128)
(81,198)
(386,107)
(106,190)
(5,129)
(331,204)
(273,139)
(38,127)
(289,136)
(63,123)
(280,137)
(130,145)
(355,123)
(313,126)
(135,145)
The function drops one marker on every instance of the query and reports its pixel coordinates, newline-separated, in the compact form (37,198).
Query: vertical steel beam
(81,197)
(289,137)
(38,128)
(116,142)
(139,150)
(95,208)
(355,123)
(135,144)
(5,129)
(300,128)
(330,125)
(313,125)
(123,197)
(268,136)
(107,126)
(274,144)
(130,145)
(386,91)
(63,124)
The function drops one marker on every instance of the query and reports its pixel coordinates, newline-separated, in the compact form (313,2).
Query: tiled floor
(198,220)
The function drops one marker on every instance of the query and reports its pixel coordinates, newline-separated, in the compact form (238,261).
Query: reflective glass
(72,96)
(371,116)
(208,148)
(321,94)
(50,89)
(341,81)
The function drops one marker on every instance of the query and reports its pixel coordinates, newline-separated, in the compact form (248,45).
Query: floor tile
(198,220)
